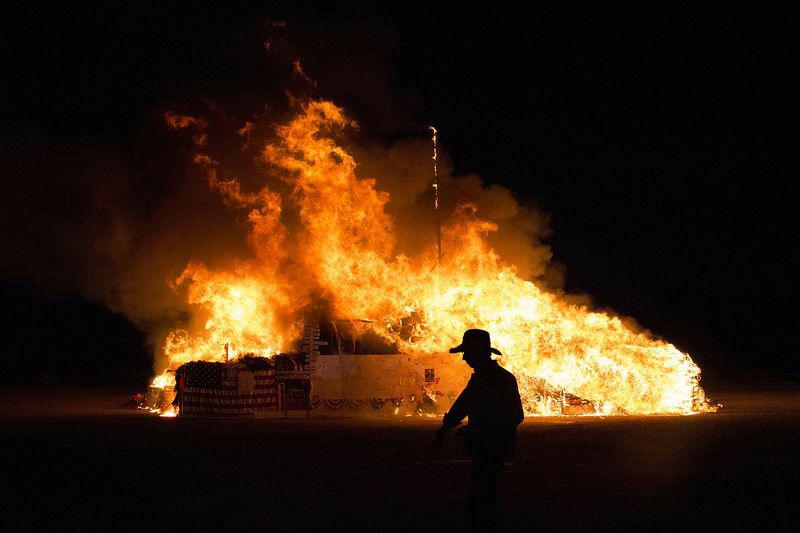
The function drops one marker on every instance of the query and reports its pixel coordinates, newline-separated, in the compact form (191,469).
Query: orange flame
(344,252)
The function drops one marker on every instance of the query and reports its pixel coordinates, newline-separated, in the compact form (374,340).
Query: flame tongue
(344,249)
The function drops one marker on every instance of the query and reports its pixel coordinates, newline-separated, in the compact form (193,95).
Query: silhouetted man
(491,401)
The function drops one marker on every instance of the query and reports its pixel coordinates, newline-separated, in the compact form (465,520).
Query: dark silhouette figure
(492,403)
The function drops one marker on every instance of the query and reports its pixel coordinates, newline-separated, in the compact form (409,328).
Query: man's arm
(458,412)
(460,408)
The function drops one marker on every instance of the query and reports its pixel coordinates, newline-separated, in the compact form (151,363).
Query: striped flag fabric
(232,389)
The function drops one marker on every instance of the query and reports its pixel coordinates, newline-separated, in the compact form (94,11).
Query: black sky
(661,142)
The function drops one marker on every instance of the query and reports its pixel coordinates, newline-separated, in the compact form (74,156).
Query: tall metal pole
(437,220)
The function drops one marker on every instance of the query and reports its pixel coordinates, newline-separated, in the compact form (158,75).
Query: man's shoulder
(493,376)
(506,375)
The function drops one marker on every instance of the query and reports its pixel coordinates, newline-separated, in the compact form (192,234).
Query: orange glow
(343,250)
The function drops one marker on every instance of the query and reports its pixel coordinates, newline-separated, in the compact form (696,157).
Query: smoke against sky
(133,221)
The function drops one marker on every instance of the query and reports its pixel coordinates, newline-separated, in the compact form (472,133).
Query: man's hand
(434,448)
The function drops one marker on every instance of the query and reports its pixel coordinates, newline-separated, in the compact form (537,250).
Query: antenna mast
(437,220)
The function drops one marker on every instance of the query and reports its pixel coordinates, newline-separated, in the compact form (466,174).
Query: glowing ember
(165,379)
(344,249)
(169,412)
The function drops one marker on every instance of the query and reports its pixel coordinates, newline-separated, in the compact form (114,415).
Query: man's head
(476,359)
(477,348)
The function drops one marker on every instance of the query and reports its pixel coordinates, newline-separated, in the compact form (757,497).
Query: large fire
(343,252)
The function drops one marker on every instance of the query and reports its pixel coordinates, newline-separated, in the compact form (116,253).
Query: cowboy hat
(475,340)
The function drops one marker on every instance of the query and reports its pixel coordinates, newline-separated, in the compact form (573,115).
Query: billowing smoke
(404,170)
(246,179)
(124,234)
(119,223)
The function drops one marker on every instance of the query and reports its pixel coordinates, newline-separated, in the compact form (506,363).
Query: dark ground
(88,465)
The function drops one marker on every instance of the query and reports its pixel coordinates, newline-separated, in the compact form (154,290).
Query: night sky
(661,143)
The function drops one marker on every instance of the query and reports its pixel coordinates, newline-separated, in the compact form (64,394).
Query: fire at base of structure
(322,381)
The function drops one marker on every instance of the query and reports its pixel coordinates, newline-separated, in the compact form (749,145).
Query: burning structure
(324,259)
